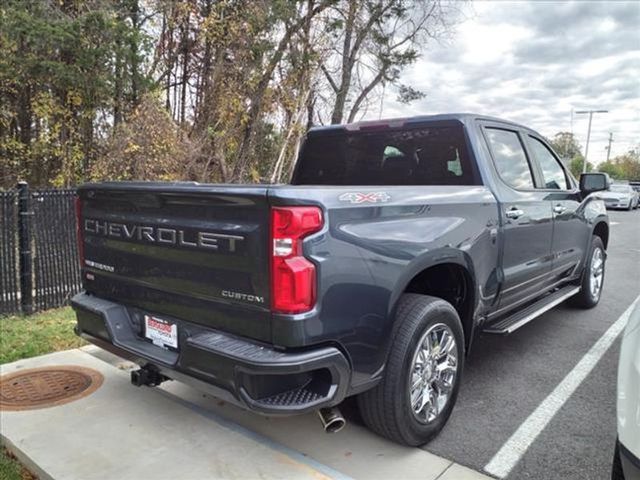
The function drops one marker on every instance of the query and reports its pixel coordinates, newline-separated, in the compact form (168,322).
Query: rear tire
(592,282)
(424,369)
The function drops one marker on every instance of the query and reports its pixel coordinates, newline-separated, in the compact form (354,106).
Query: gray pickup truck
(396,244)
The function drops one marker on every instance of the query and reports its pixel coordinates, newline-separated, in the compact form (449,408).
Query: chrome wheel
(596,273)
(434,369)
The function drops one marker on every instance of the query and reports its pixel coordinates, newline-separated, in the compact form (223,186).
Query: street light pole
(586,148)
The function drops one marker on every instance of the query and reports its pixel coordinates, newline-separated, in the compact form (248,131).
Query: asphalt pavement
(507,378)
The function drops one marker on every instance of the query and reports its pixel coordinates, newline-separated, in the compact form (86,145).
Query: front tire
(592,277)
(414,400)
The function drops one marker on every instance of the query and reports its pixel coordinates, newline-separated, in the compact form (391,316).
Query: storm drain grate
(47,387)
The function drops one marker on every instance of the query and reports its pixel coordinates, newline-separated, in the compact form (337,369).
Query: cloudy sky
(535,61)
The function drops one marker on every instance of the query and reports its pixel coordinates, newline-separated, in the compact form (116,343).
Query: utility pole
(608,147)
(586,148)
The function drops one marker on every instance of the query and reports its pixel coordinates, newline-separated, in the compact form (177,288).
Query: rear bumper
(242,372)
(630,463)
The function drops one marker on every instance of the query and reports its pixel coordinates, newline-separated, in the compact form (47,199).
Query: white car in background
(626,460)
(620,195)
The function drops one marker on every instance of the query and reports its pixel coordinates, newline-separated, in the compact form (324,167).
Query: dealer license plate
(161,332)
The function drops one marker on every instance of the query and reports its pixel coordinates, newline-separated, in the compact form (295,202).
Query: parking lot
(508,382)
(507,378)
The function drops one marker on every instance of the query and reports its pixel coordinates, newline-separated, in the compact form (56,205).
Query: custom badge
(365,197)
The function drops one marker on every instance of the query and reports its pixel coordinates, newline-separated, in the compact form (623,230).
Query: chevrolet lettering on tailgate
(162,235)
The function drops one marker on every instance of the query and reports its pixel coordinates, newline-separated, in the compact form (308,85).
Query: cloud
(534,62)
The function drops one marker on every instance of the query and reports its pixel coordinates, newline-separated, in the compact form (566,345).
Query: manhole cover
(46,387)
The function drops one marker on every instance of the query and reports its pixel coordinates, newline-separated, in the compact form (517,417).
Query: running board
(524,316)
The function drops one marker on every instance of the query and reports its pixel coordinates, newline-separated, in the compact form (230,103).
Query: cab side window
(552,173)
(509,157)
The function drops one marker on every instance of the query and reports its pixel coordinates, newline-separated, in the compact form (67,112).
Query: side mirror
(594,182)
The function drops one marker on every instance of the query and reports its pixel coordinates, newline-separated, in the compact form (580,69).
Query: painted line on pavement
(516,446)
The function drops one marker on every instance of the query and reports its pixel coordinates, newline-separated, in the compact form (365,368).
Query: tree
(374,41)
(576,164)
(612,169)
(147,146)
(569,150)
(67,68)
(242,53)
(292,27)
(623,167)
(240,80)
(566,145)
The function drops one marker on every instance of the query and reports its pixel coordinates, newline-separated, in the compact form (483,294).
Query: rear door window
(509,158)
(552,172)
(427,155)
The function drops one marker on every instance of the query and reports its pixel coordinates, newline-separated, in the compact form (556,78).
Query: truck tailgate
(192,252)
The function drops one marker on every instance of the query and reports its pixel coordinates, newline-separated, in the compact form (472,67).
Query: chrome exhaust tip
(332,420)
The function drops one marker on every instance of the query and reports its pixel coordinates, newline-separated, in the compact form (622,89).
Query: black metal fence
(9,297)
(39,260)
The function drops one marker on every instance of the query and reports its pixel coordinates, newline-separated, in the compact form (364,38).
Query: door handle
(514,213)
(559,208)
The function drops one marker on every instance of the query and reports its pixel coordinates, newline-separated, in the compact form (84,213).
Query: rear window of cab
(424,155)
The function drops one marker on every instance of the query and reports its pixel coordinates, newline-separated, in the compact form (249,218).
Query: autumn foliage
(206,90)
(148,146)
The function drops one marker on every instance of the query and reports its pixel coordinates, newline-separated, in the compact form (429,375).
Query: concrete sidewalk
(123,432)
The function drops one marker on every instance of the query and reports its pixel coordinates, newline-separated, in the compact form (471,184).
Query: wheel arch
(456,275)
(601,230)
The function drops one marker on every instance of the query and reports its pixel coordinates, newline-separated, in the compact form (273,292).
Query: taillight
(79,233)
(293,277)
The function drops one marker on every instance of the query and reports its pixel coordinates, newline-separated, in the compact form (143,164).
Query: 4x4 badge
(365,197)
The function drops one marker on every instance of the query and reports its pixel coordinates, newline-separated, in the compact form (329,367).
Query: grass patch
(30,336)
(11,469)
(33,335)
